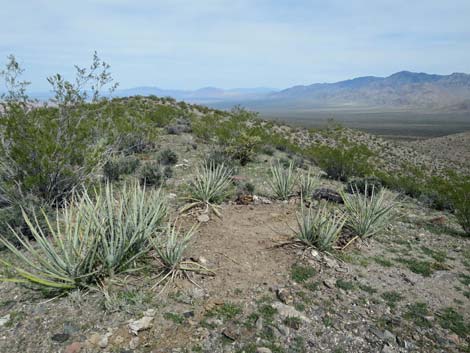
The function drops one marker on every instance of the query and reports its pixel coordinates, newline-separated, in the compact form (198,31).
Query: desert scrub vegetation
(282,180)
(94,236)
(170,247)
(210,186)
(308,182)
(343,161)
(319,228)
(368,213)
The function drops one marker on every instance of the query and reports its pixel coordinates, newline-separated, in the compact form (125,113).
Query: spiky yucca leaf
(282,181)
(319,228)
(210,186)
(369,213)
(308,182)
(127,221)
(171,245)
(64,255)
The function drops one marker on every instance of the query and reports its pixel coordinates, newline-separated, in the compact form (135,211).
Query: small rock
(118,340)
(134,343)
(289,311)
(231,332)
(140,325)
(387,349)
(188,314)
(103,342)
(60,337)
(315,254)
(4,319)
(259,324)
(202,260)
(263,350)
(284,296)
(74,347)
(150,312)
(330,282)
(203,218)
(94,339)
(388,336)
(330,262)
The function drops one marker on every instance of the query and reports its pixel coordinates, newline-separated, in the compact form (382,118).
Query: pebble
(140,325)
(329,282)
(74,347)
(263,350)
(4,320)
(203,218)
(134,343)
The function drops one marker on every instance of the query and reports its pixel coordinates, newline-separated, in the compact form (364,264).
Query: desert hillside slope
(246,282)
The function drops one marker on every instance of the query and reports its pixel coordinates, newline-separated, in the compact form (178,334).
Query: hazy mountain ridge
(403,90)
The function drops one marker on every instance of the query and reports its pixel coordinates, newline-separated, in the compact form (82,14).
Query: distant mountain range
(401,91)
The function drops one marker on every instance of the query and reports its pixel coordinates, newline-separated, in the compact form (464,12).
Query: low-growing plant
(170,247)
(126,221)
(90,238)
(319,228)
(209,187)
(168,157)
(308,183)
(151,174)
(114,168)
(368,215)
(282,181)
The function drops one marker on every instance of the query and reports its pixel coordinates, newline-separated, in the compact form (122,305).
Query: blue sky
(236,43)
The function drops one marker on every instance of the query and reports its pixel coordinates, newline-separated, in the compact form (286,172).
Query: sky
(236,43)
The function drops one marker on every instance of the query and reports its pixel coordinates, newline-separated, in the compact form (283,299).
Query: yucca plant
(170,247)
(319,228)
(368,213)
(126,222)
(64,255)
(209,187)
(308,182)
(282,180)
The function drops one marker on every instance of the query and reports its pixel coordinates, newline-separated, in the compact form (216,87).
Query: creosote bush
(368,213)
(114,168)
(168,157)
(319,228)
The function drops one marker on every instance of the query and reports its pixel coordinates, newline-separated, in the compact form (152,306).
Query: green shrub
(168,157)
(114,168)
(52,150)
(319,228)
(282,181)
(456,190)
(343,162)
(152,174)
(368,215)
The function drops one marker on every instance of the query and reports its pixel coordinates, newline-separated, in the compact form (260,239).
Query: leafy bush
(89,239)
(152,174)
(343,162)
(319,228)
(456,189)
(114,168)
(168,157)
(282,181)
(132,142)
(52,150)
(370,213)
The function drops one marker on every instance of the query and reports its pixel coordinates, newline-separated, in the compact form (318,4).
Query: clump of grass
(438,255)
(209,187)
(319,228)
(344,285)
(369,213)
(282,181)
(392,298)
(301,273)
(176,318)
(170,248)
(382,261)
(454,321)
(417,313)
(227,311)
(421,267)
